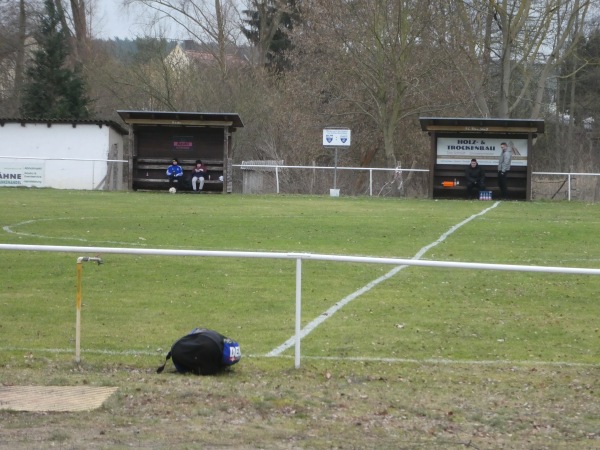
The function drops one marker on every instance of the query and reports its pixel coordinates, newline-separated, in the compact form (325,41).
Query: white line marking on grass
(343,302)
(444,361)
(160,352)
(432,361)
(9,229)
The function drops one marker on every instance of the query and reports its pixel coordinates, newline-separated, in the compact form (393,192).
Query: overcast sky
(113,20)
(116,21)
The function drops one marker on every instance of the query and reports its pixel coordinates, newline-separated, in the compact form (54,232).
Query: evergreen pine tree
(52,90)
(280,41)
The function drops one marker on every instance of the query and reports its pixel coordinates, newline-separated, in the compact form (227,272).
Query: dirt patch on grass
(53,398)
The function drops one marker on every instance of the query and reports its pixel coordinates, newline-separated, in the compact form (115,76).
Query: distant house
(62,154)
(189,52)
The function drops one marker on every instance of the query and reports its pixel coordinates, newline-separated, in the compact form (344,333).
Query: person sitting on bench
(174,172)
(475,176)
(198,174)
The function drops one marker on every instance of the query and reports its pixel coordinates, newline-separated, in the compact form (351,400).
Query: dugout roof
(481,125)
(174,118)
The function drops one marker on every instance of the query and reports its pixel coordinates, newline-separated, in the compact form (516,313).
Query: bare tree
(464,32)
(21,37)
(214,24)
(17,23)
(148,81)
(517,46)
(75,19)
(78,12)
(369,60)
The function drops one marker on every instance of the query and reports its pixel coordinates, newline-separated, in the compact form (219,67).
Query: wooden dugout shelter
(455,141)
(156,137)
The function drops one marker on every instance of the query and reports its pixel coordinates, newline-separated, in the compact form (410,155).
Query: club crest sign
(336,137)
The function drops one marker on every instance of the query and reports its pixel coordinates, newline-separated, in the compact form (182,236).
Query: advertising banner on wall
(460,151)
(21,174)
(183,143)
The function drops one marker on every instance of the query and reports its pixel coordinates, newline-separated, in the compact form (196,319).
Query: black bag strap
(161,368)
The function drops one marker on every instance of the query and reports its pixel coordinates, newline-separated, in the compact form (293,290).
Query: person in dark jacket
(198,174)
(475,176)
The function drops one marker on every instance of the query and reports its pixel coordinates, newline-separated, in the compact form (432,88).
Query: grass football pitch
(423,358)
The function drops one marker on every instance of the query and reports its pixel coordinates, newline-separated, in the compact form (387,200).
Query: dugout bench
(455,141)
(158,137)
(516,181)
(150,174)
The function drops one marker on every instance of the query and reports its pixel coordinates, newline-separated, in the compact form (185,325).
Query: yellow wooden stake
(80,260)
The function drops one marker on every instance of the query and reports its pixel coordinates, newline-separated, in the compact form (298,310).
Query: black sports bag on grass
(203,352)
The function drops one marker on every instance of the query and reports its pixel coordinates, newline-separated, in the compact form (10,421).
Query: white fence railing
(545,185)
(380,182)
(298,257)
(394,176)
(570,176)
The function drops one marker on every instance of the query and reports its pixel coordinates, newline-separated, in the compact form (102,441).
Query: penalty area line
(339,305)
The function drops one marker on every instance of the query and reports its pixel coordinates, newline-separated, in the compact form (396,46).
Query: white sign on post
(336,137)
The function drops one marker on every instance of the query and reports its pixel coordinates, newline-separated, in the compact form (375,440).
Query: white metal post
(298,257)
(78,312)
(335,170)
(298,311)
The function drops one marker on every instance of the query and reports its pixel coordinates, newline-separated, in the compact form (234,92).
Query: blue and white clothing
(174,170)
(175,173)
